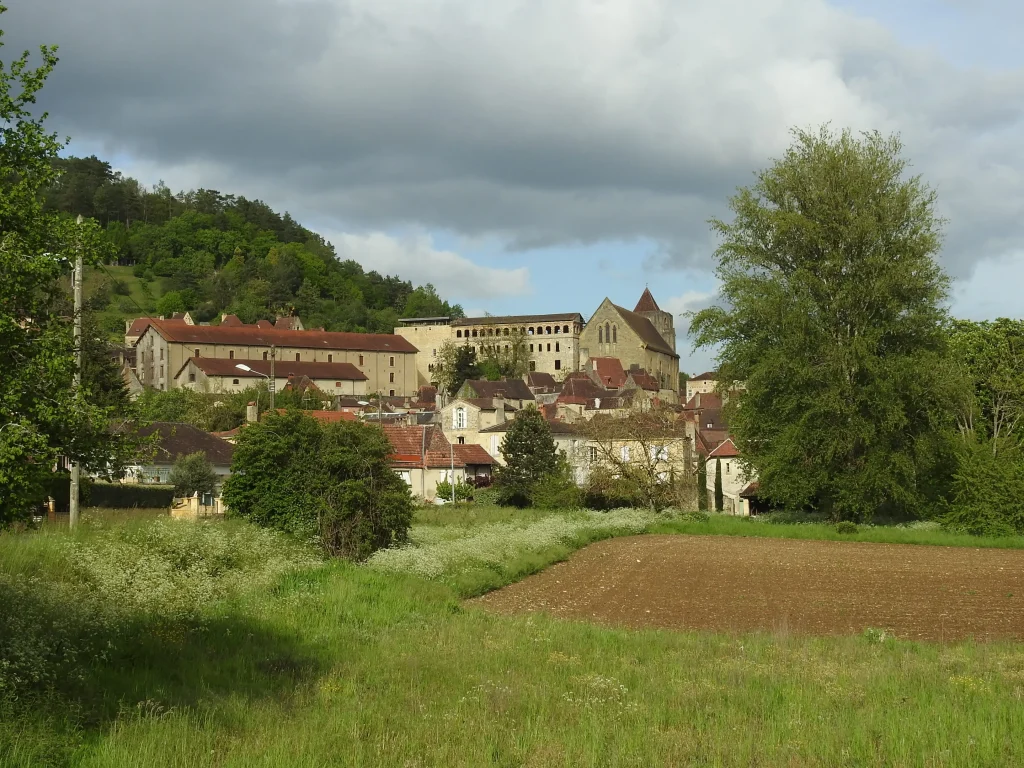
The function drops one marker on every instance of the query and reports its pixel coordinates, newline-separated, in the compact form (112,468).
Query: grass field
(161,643)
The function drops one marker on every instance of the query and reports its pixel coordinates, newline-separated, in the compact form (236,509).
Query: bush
(463,491)
(988,491)
(193,474)
(119,287)
(556,490)
(117,496)
(488,496)
(846,527)
(332,483)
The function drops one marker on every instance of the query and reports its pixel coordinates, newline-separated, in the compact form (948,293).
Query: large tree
(530,454)
(455,364)
(42,415)
(832,319)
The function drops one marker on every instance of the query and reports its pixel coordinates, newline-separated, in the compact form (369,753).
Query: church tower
(662,321)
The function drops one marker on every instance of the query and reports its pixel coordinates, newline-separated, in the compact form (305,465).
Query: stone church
(645,337)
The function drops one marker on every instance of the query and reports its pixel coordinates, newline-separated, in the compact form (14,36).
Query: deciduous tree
(193,474)
(832,318)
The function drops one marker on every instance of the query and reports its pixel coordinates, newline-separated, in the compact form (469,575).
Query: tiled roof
(540,380)
(703,400)
(231,321)
(647,303)
(573,388)
(250,335)
(483,403)
(644,380)
(470,453)
(569,317)
(288,323)
(709,439)
(140,324)
(725,450)
(556,427)
(751,490)
(408,442)
(177,439)
(609,371)
(283,369)
(646,331)
(512,389)
(331,417)
(707,376)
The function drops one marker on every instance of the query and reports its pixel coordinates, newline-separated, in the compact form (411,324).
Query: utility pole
(76,469)
(273,377)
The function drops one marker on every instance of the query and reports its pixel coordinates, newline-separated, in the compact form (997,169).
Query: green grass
(306,664)
(141,299)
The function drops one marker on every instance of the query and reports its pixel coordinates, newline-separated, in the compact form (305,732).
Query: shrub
(330,483)
(846,527)
(488,496)
(116,496)
(988,491)
(193,474)
(557,490)
(463,491)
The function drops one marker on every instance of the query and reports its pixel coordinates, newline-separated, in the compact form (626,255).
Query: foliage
(193,474)
(130,495)
(988,490)
(845,526)
(488,496)
(42,417)
(529,452)
(455,364)
(832,318)
(331,483)
(702,483)
(557,489)
(462,491)
(218,412)
(719,495)
(507,357)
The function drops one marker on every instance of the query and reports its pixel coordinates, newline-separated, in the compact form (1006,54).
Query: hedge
(114,496)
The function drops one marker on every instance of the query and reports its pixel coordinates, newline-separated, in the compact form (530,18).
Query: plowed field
(736,584)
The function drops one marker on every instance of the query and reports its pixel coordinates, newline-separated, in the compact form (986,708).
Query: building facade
(207,374)
(164,347)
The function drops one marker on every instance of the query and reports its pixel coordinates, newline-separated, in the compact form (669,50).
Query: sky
(529,156)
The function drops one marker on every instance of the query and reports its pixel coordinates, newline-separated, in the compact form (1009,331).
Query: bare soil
(736,584)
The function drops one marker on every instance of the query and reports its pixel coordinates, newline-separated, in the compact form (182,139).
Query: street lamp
(364,402)
(270,385)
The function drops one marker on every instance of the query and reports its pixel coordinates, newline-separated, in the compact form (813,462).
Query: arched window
(459,418)
(608,333)
(547,330)
(505,333)
(615,334)
(458,334)
(529,331)
(474,333)
(565,329)
(600,335)
(557,329)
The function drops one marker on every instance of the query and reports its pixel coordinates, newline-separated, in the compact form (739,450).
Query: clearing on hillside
(736,584)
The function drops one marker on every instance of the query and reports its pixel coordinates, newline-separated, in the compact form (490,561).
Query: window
(565,329)
(557,329)
(161,353)
(548,330)
(592,452)
(490,331)
(430,367)
(533,365)
(234,381)
(265,355)
(727,467)
(505,332)
(474,333)
(558,365)
(600,335)
(196,353)
(607,333)
(659,453)
(161,371)
(531,347)
(392,362)
(494,445)
(625,453)
(557,349)
(330,358)
(360,359)
(392,379)
(392,393)
(710,425)
(297,358)
(337,384)
(459,418)
(458,334)
(615,334)
(462,440)
(191,377)
(549,347)
(433,353)
(231,355)
(529,331)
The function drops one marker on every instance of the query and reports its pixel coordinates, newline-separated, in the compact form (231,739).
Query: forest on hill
(211,253)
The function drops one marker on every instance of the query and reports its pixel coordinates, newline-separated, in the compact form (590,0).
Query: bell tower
(662,321)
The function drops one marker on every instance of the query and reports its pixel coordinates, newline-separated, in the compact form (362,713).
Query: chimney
(499,408)
(410,419)
(251,413)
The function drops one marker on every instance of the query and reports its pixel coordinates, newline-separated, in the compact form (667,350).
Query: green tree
(702,484)
(719,494)
(530,453)
(506,357)
(42,415)
(193,474)
(333,483)
(832,318)
(683,378)
(455,364)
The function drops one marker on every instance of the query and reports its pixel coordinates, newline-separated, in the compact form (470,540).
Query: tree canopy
(832,321)
(530,454)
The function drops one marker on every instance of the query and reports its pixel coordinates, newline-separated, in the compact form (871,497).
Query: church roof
(645,329)
(647,303)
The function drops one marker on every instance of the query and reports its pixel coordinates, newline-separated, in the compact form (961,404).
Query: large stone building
(164,347)
(645,337)
(553,341)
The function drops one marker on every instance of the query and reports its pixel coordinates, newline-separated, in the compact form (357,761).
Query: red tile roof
(726,450)
(609,370)
(140,324)
(708,376)
(644,380)
(283,369)
(250,335)
(409,441)
(647,303)
(703,400)
(471,453)
(231,321)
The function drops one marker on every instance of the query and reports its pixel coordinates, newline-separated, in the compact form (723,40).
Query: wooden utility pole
(76,469)
(273,377)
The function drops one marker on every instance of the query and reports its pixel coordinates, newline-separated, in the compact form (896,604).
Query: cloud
(414,258)
(534,122)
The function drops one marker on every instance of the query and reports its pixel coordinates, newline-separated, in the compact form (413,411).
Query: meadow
(151,643)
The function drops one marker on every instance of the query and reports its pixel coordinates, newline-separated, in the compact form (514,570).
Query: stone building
(552,340)
(207,374)
(644,338)
(165,346)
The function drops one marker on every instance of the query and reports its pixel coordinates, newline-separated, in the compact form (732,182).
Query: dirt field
(781,585)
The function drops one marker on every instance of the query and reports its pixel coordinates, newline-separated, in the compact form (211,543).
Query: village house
(172,441)
(208,374)
(423,458)
(513,391)
(164,347)
(464,419)
(654,440)
(738,490)
(704,383)
(567,438)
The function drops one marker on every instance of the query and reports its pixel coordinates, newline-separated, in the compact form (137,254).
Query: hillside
(210,253)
